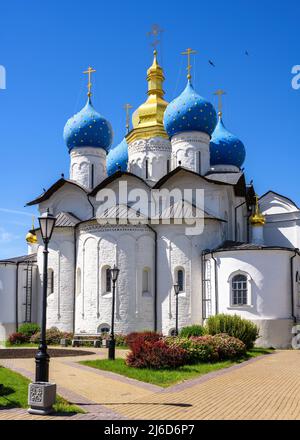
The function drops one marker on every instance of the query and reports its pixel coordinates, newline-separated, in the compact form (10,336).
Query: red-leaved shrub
(156,355)
(17,338)
(137,338)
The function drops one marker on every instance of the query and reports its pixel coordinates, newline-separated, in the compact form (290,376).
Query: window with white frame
(239,290)
(50,281)
(103,328)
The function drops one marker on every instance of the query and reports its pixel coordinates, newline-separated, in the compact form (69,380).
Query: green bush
(53,336)
(192,330)
(233,325)
(198,349)
(28,329)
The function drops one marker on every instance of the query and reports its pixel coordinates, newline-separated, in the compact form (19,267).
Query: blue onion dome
(225,148)
(88,129)
(190,112)
(117,158)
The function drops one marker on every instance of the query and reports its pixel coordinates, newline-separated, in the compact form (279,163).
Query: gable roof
(114,177)
(229,245)
(66,219)
(31,258)
(55,187)
(279,195)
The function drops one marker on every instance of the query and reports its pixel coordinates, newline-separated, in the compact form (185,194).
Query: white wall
(7,300)
(186,147)
(84,162)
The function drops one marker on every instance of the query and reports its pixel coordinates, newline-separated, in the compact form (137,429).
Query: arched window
(239,290)
(78,281)
(172,332)
(168,166)
(103,328)
(50,283)
(147,168)
(199,162)
(146,281)
(180,279)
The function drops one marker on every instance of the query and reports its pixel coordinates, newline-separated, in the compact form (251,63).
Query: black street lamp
(114,273)
(47,223)
(176,290)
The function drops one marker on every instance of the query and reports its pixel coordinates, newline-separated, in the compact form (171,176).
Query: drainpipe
(296,251)
(75,279)
(203,285)
(17,296)
(216,284)
(155,278)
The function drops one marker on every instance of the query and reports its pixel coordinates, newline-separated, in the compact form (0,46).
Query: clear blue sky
(45,46)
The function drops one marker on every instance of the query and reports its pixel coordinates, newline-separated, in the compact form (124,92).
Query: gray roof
(66,219)
(22,259)
(232,178)
(240,246)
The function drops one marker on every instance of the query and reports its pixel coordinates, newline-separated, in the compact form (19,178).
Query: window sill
(244,306)
(147,294)
(107,294)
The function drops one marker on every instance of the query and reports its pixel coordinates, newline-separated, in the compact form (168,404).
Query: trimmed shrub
(233,325)
(137,338)
(198,349)
(16,338)
(28,329)
(228,347)
(192,330)
(53,336)
(156,355)
(120,339)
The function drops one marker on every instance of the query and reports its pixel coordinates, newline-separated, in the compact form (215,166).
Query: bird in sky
(246,53)
(211,63)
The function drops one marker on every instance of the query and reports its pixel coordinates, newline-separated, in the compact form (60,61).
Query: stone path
(263,388)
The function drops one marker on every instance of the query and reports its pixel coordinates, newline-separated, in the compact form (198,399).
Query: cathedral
(244,259)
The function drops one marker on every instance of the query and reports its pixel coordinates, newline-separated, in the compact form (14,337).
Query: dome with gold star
(190,112)
(88,128)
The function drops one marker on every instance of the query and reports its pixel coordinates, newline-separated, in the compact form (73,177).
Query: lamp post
(114,273)
(176,290)
(47,223)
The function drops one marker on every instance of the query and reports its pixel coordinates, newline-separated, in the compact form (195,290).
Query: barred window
(239,287)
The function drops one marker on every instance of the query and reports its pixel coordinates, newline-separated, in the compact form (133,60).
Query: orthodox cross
(189,52)
(219,94)
(127,107)
(89,72)
(155,32)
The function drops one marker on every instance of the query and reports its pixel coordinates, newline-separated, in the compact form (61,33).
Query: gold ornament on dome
(257,218)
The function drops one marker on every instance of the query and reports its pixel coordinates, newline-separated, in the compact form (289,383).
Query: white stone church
(244,261)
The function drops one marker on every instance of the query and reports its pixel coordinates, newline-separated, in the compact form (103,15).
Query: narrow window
(180,279)
(146,280)
(168,166)
(50,282)
(108,280)
(239,290)
(147,171)
(92,176)
(199,162)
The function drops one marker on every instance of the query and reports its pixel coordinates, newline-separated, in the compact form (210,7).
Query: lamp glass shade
(47,223)
(176,288)
(114,273)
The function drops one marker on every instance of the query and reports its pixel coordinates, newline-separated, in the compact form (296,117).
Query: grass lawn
(14,393)
(167,377)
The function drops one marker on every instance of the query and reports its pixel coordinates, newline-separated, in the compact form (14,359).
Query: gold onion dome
(31,237)
(257,218)
(147,120)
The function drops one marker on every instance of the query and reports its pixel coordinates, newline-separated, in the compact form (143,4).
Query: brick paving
(262,388)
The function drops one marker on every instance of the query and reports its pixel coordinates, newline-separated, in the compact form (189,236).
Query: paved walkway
(263,388)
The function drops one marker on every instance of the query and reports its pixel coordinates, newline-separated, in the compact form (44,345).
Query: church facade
(243,258)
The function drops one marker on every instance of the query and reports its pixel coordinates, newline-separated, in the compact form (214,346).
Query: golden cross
(188,52)
(220,93)
(127,107)
(89,71)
